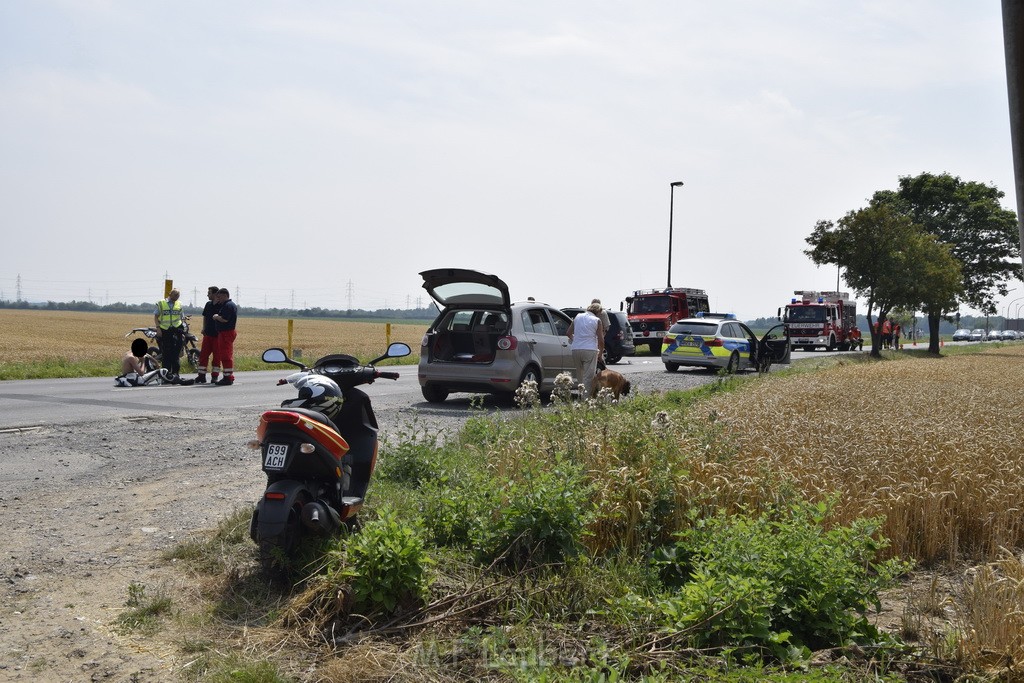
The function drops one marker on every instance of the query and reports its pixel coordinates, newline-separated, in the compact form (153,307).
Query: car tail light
(508,343)
(714,341)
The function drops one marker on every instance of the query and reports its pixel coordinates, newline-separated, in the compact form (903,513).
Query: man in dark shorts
(225,320)
(208,349)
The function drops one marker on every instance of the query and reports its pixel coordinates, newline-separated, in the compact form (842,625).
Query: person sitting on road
(138,368)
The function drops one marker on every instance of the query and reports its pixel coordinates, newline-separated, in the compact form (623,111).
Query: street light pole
(1006,316)
(671,202)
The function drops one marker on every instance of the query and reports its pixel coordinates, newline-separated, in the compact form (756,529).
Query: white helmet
(318,393)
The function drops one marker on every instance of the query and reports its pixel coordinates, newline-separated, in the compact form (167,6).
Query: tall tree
(982,236)
(876,247)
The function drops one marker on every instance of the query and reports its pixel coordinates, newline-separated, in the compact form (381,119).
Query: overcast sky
(323,153)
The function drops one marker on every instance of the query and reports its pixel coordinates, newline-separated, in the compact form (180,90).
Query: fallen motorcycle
(189,349)
(318,452)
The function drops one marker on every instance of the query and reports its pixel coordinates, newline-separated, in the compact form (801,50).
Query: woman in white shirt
(586,334)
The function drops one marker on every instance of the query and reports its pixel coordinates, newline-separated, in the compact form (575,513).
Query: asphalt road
(31,403)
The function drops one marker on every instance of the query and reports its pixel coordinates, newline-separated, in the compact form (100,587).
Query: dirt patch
(88,510)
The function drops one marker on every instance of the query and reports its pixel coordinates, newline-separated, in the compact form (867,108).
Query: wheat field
(28,336)
(935,445)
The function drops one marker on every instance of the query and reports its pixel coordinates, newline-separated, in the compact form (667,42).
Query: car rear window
(700,329)
(475,320)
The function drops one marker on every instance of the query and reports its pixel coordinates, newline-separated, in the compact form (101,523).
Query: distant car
(962,335)
(481,342)
(618,338)
(1008,335)
(994,335)
(618,342)
(977,335)
(719,341)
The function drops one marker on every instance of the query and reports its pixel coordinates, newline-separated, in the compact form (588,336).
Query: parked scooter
(189,349)
(318,452)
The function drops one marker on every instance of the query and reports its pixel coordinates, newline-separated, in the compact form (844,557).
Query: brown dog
(613,380)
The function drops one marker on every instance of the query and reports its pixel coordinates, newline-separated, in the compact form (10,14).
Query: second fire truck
(825,319)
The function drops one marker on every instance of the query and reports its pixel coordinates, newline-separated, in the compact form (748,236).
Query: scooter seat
(313,414)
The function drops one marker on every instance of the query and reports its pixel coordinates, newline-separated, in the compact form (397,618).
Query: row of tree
(931,245)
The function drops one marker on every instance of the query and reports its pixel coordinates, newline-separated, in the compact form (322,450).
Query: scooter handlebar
(388,375)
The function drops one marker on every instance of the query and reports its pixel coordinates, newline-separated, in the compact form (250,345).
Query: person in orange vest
(896,336)
(886,334)
(856,340)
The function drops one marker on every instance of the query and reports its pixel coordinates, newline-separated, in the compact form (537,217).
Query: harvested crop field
(75,336)
(938,458)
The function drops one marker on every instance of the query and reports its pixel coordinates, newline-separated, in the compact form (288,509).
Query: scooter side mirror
(275,356)
(395,350)
(398,349)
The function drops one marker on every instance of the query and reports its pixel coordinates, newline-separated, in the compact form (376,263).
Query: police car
(720,341)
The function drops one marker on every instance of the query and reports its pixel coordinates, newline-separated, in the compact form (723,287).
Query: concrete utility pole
(1013,44)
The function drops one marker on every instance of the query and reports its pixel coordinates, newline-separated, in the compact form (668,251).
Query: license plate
(275,457)
(689,341)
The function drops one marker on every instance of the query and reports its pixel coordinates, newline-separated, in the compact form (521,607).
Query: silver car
(483,343)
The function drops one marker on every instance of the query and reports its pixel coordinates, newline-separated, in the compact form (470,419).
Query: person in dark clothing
(225,320)
(208,350)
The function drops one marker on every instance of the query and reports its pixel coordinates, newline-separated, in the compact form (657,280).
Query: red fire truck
(820,319)
(652,311)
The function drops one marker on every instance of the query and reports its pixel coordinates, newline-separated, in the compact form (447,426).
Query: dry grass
(934,445)
(75,336)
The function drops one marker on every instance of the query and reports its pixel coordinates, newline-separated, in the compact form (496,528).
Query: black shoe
(186,382)
(225,381)
(201,379)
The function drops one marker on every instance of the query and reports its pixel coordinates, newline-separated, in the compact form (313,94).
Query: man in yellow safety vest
(170,335)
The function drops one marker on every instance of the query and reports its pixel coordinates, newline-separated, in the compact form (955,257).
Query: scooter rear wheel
(276,551)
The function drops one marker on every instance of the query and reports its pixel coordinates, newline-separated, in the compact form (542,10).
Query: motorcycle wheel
(193,359)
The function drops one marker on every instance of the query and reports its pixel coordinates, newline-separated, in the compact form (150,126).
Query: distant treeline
(417,314)
(425,314)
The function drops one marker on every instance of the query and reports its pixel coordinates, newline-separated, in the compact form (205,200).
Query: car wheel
(611,358)
(434,394)
(831,344)
(734,364)
(671,367)
(529,374)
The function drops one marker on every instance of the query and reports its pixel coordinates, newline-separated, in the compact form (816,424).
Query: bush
(540,520)
(388,566)
(778,581)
